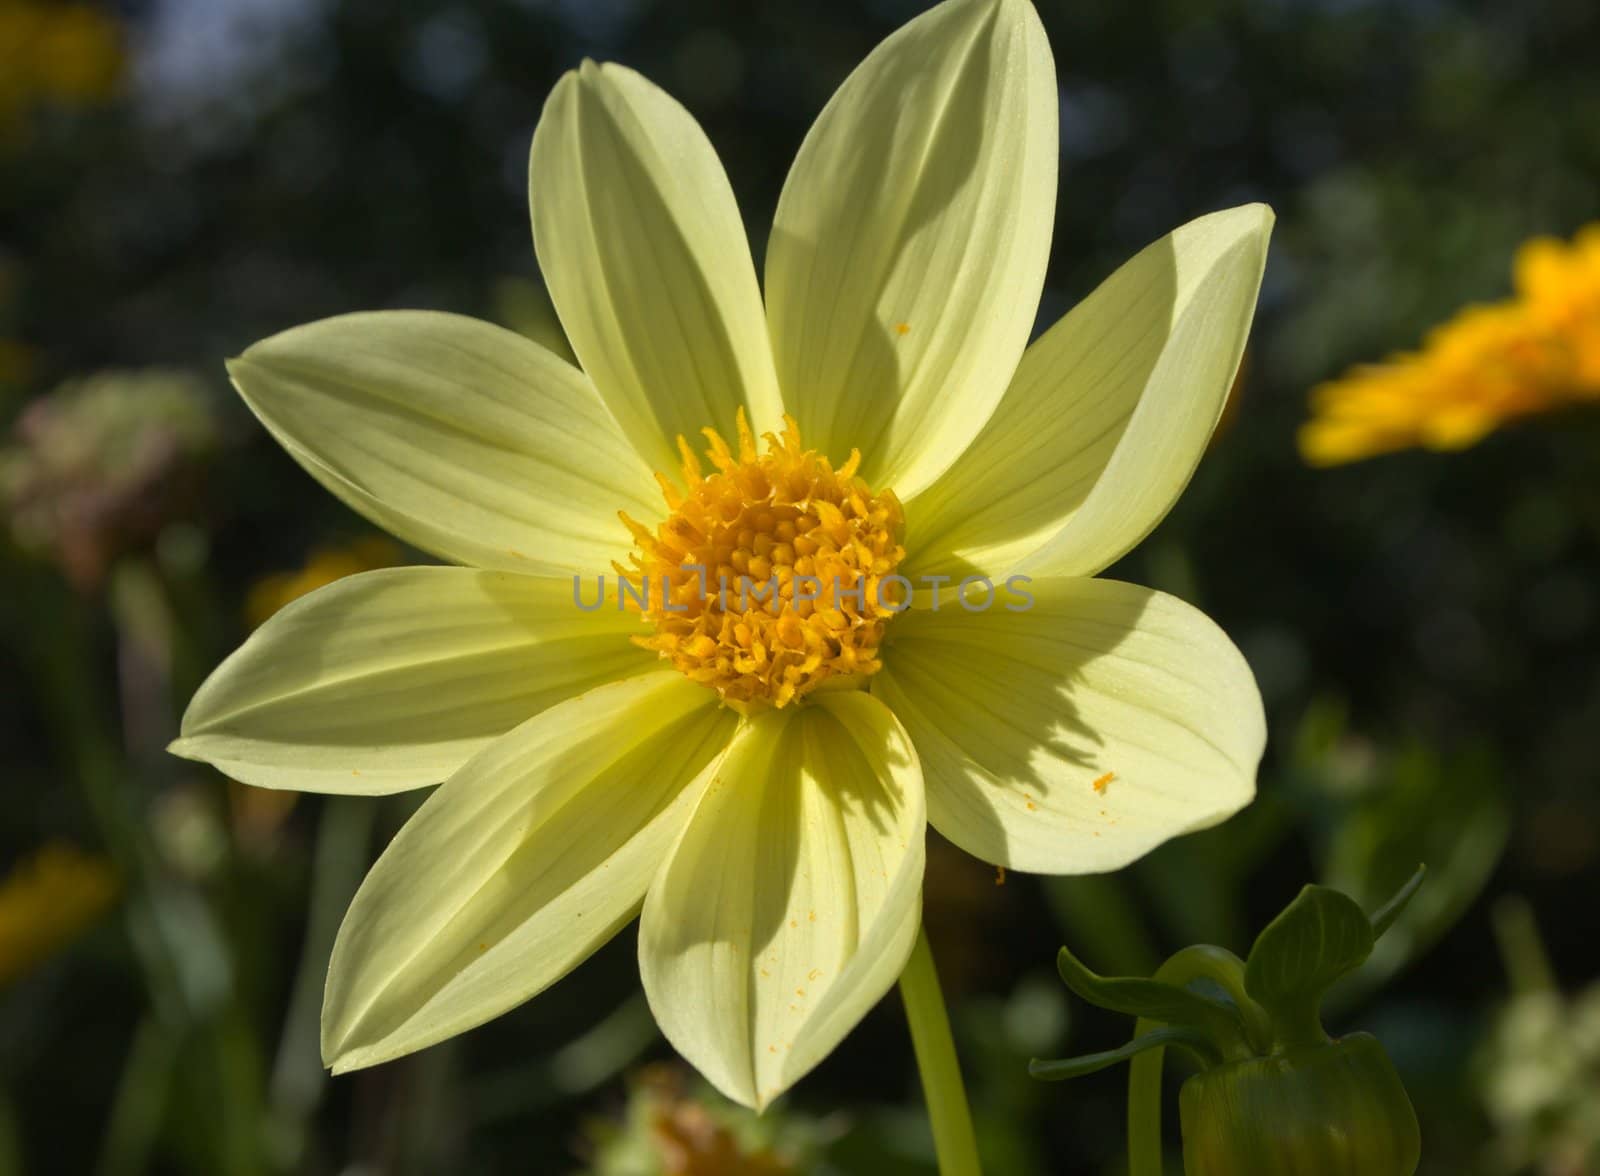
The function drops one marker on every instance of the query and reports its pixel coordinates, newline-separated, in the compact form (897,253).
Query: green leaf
(1317,938)
(1195,1042)
(1152,999)
(1383,918)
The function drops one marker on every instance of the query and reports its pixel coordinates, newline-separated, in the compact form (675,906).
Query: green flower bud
(1318,1110)
(1275,1095)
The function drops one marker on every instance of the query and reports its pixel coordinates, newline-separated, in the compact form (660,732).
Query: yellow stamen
(742,550)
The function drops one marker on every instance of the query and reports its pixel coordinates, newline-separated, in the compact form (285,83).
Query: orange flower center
(767,578)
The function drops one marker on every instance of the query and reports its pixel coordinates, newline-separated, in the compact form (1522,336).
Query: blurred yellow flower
(1560,284)
(324,566)
(1532,353)
(46,900)
(70,54)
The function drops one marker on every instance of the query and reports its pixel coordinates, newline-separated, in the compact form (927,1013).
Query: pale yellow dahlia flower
(684,760)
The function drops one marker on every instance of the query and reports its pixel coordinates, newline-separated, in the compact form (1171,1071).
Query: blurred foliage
(101,464)
(206,172)
(1539,1068)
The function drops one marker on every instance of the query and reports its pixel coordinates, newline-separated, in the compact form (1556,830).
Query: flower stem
(1144,1107)
(942,1090)
(1222,968)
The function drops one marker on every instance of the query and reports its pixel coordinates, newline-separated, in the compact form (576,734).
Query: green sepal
(1155,1000)
(1384,917)
(1316,939)
(1197,1043)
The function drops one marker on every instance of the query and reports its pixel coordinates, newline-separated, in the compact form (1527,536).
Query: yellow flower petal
(519,866)
(393,679)
(792,902)
(641,244)
(1078,735)
(1108,415)
(909,245)
(462,438)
